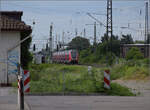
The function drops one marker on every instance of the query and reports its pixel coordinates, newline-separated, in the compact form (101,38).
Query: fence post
(107,79)
(89,70)
(64,83)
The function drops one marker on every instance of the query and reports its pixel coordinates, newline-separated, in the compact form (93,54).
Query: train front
(74,56)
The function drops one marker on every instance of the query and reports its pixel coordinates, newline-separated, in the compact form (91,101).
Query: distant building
(144,48)
(11,27)
(41,57)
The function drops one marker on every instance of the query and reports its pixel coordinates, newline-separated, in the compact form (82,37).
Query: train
(66,56)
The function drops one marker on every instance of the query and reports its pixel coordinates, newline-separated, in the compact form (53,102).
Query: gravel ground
(142,88)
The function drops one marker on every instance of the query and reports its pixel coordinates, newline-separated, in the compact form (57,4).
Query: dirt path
(137,86)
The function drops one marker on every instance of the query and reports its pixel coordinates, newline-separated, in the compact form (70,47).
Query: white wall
(7,40)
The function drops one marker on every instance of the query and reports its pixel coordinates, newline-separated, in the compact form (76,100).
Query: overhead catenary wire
(120,8)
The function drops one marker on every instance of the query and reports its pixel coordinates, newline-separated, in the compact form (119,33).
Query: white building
(11,28)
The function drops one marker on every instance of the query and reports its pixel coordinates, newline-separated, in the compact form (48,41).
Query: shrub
(119,90)
(133,69)
(134,54)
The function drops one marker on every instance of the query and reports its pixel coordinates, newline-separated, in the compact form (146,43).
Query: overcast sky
(67,16)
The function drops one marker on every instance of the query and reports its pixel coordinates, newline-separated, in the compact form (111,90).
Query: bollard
(107,79)
(89,70)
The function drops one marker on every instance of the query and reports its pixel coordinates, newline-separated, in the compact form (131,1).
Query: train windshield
(74,54)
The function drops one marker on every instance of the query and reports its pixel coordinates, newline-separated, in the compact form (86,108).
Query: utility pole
(84,33)
(146,27)
(50,42)
(63,35)
(81,34)
(146,21)
(94,33)
(76,32)
(94,43)
(56,41)
(58,38)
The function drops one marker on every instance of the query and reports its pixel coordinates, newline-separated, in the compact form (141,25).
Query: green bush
(119,90)
(134,54)
(133,69)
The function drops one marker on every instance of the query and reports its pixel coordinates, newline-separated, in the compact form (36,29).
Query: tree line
(105,51)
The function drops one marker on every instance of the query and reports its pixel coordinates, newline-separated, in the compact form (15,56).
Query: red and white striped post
(107,79)
(26,81)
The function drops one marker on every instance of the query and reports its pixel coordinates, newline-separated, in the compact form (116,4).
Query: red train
(66,56)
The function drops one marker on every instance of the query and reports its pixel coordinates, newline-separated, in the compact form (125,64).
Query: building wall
(7,40)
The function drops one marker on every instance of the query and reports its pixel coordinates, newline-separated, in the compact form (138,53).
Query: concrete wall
(7,40)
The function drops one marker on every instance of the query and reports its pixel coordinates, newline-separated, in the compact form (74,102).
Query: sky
(68,16)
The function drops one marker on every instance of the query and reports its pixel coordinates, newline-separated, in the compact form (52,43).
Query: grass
(119,90)
(133,70)
(58,78)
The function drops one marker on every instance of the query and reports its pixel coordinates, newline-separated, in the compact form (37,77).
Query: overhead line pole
(84,33)
(109,29)
(94,33)
(146,28)
(63,37)
(50,43)
(94,43)
(146,21)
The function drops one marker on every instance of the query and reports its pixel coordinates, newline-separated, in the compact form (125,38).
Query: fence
(66,79)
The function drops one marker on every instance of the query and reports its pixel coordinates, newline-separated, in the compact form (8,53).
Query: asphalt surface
(8,99)
(88,103)
(141,102)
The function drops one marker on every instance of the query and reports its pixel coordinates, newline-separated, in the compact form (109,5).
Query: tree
(127,39)
(34,48)
(134,54)
(148,39)
(26,56)
(79,43)
(109,45)
(104,38)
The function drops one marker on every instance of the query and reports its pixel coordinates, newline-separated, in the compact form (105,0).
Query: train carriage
(66,56)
